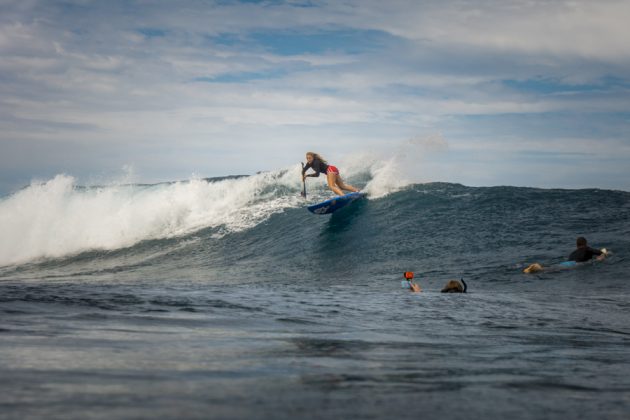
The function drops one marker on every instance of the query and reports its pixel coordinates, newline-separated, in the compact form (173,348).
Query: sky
(525,93)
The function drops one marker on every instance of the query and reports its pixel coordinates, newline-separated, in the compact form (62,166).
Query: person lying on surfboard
(583,253)
(319,165)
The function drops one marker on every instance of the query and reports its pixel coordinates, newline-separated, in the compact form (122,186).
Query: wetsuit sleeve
(306,168)
(316,166)
(584,254)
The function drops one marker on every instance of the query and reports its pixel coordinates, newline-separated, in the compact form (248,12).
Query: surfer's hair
(317,156)
(581,241)
(453,286)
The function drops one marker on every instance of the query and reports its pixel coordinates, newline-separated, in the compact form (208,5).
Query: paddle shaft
(303,194)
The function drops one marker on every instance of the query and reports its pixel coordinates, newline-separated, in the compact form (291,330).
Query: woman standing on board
(319,165)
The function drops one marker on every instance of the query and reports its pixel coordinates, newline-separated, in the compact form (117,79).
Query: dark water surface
(303,316)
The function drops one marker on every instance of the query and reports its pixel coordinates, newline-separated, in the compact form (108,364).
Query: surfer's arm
(304,169)
(314,174)
(316,166)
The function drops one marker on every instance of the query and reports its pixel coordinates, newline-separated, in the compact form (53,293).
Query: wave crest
(58,218)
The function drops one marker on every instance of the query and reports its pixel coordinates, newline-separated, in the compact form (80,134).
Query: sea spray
(381,176)
(386,173)
(58,218)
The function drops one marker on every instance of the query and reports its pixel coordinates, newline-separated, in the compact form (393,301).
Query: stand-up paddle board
(335,203)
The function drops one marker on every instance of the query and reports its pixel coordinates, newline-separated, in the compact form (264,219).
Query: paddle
(303,193)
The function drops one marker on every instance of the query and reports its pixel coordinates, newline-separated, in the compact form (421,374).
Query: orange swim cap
(408,275)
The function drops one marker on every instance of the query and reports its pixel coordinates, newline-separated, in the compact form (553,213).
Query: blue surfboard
(568,264)
(335,203)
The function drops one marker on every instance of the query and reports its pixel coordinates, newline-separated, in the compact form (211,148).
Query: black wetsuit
(584,253)
(317,165)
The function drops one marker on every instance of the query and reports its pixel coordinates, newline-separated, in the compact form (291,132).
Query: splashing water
(57,218)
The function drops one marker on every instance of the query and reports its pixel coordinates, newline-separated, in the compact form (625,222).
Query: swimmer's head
(408,275)
(580,242)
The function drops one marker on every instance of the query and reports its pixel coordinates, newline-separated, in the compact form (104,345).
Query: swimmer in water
(413,287)
(583,253)
(454,286)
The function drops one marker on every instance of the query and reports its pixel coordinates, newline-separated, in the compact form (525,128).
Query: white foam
(56,218)
(384,176)
(403,166)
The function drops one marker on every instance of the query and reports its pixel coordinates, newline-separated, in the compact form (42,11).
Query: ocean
(224,298)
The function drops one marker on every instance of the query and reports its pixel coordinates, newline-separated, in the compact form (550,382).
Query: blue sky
(531,93)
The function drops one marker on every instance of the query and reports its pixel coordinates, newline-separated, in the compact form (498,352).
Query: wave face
(257,226)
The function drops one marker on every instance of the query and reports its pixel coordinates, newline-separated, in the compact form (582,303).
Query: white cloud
(582,27)
(84,73)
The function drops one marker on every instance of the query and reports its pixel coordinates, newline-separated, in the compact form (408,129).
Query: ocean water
(224,298)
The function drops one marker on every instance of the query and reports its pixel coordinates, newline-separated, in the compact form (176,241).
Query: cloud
(540,27)
(157,81)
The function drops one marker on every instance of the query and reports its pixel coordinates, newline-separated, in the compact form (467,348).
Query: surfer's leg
(332,183)
(345,186)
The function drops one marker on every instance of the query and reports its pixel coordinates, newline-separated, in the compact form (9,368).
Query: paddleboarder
(319,165)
